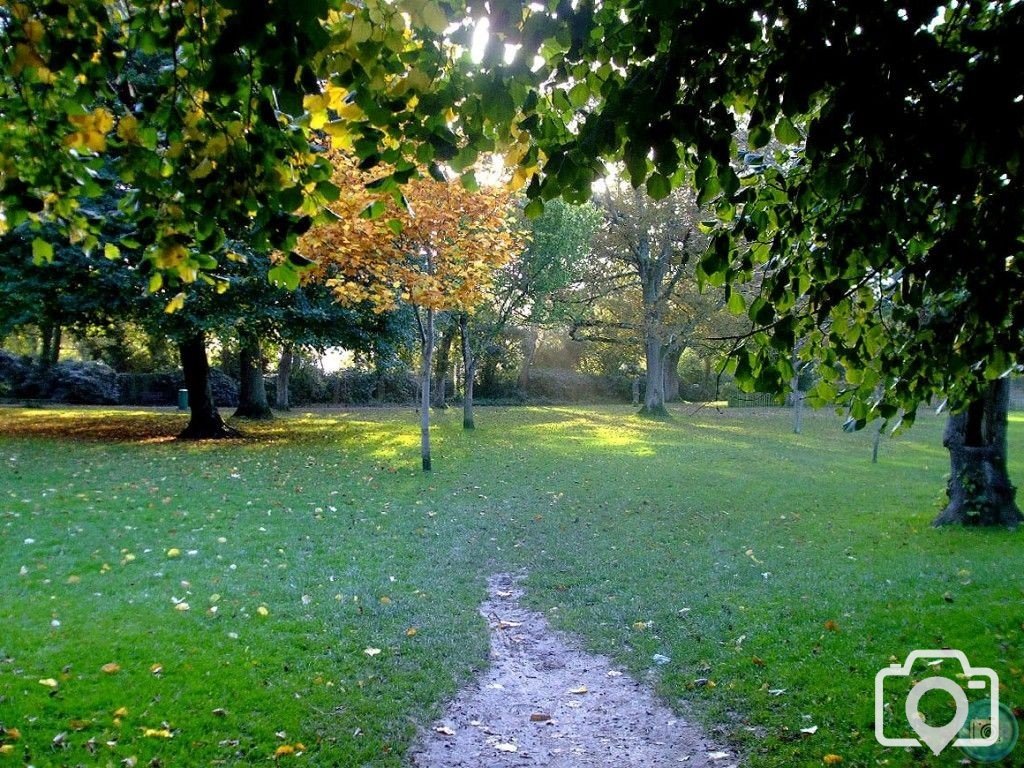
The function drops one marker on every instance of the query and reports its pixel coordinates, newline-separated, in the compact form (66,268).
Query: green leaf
(534,208)
(156,282)
(111,251)
(283,277)
(759,136)
(373,210)
(736,304)
(42,251)
(469,181)
(395,225)
(658,186)
(786,132)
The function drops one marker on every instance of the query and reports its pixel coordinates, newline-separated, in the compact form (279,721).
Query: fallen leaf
(11,734)
(156,669)
(306,599)
(6,749)
(174,552)
(503,624)
(506,747)
(263,611)
(220,712)
(717,755)
(640,626)
(111,669)
(831,626)
(831,759)
(371,651)
(385,600)
(539,717)
(49,682)
(810,731)
(121,712)
(182,606)
(444,730)
(130,762)
(580,689)
(757,661)
(284,749)
(411,632)
(79,725)
(156,733)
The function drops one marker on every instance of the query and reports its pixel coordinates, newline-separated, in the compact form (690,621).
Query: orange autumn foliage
(437,252)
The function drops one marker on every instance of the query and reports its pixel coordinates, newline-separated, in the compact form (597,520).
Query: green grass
(755,559)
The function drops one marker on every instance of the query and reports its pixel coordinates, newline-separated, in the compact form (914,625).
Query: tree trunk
(469,373)
(252,390)
(205,422)
(427,339)
(798,405)
(284,376)
(672,358)
(442,365)
(654,394)
(979,489)
(528,346)
(49,353)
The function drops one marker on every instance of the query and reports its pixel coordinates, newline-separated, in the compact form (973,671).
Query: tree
(907,185)
(642,287)
(435,251)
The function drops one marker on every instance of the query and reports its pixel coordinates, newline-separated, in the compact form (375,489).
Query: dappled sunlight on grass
(733,537)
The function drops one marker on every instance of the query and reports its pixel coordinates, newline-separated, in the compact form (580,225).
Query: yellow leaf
(121,712)
(411,632)
(12,734)
(831,759)
(182,607)
(156,669)
(579,690)
(49,682)
(263,611)
(156,733)
(111,669)
(6,749)
(385,600)
(284,749)
(173,306)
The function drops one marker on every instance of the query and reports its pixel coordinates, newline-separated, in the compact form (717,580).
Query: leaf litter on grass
(544,702)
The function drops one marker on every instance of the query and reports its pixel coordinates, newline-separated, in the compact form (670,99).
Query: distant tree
(435,248)
(642,287)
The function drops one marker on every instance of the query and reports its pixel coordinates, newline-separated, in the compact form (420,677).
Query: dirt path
(546,703)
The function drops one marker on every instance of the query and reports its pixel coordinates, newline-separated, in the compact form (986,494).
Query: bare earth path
(546,703)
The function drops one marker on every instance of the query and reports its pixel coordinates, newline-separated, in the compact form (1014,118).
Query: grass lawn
(331,588)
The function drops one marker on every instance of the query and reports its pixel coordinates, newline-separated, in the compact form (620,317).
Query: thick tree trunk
(672,358)
(284,376)
(427,340)
(979,489)
(654,395)
(442,365)
(469,373)
(205,422)
(252,391)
